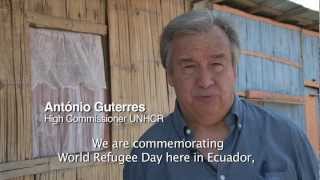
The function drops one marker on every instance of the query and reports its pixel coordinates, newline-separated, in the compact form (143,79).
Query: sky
(311,4)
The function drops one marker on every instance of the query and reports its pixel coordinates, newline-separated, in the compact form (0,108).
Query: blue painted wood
(241,74)
(253,73)
(310,54)
(295,113)
(266,41)
(268,76)
(294,49)
(260,74)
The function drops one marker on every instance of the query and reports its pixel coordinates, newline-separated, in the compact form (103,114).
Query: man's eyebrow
(185,60)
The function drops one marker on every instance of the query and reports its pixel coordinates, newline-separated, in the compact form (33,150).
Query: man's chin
(206,100)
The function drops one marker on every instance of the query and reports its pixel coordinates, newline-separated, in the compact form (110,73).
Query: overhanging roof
(280,10)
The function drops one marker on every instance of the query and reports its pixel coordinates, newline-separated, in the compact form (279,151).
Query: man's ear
(235,71)
(169,77)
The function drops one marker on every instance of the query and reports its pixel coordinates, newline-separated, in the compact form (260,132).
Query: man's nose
(205,78)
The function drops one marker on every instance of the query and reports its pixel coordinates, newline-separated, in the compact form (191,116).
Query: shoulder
(281,137)
(266,118)
(271,126)
(275,131)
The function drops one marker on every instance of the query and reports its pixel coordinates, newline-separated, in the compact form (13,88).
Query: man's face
(203,75)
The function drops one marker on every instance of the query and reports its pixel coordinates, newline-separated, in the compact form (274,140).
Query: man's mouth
(205,99)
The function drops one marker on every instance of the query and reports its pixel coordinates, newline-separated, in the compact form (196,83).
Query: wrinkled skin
(203,76)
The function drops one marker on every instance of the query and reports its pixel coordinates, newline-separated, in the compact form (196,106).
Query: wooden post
(312,121)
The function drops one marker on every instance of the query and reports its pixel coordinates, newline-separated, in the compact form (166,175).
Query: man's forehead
(214,31)
(213,38)
(210,44)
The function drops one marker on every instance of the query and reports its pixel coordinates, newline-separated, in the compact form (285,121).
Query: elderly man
(200,53)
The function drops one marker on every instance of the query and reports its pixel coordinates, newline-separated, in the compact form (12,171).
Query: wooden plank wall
(15,99)
(279,58)
(92,11)
(134,27)
(275,58)
(310,54)
(259,72)
(136,71)
(312,123)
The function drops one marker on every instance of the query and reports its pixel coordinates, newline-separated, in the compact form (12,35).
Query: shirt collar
(232,119)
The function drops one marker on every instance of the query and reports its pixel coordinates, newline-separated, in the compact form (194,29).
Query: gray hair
(195,22)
